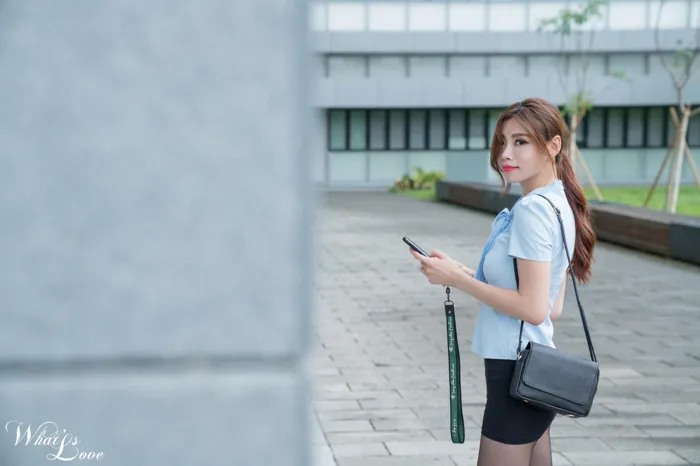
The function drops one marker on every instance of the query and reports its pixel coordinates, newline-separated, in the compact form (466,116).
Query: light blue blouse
(530,231)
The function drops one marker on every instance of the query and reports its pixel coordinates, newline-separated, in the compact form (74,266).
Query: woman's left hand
(439,271)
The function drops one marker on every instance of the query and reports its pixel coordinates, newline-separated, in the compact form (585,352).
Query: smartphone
(415,247)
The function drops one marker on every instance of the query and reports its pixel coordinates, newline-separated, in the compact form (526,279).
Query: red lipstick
(508,168)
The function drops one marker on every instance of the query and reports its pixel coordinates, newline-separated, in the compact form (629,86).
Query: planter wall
(673,236)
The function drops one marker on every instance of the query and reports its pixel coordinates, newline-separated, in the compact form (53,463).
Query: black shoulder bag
(456,416)
(552,379)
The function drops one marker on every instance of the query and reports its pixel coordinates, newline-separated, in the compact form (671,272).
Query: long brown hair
(543,121)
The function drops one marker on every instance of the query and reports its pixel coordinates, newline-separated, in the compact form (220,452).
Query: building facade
(406,84)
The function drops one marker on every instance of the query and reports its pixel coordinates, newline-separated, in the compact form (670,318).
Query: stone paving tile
(626,458)
(470,460)
(323,456)
(652,443)
(378,437)
(368,414)
(398,461)
(346,426)
(436,447)
(691,455)
(381,378)
(359,450)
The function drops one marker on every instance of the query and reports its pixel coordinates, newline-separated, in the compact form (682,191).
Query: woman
(527,148)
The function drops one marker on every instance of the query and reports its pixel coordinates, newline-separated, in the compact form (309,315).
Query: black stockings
(492,453)
(542,451)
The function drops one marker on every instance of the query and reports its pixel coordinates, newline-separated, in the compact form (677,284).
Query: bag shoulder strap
(573,280)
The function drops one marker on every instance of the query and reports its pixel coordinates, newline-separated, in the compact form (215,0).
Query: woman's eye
(519,142)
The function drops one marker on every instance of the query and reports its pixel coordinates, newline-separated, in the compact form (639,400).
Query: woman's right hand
(442,255)
(467,270)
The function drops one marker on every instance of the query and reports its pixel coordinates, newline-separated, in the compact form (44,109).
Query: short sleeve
(532,230)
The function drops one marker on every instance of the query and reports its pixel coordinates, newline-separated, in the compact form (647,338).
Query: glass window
(437,130)
(477,122)
(417,136)
(338,130)
(377,130)
(580,131)
(635,127)
(494,115)
(457,138)
(655,126)
(467,16)
(346,17)
(627,15)
(507,16)
(397,130)
(427,17)
(596,122)
(384,17)
(615,127)
(358,130)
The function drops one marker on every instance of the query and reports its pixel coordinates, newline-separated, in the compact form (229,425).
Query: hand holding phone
(415,247)
(438,254)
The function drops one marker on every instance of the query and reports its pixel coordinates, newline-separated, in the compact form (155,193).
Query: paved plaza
(381,393)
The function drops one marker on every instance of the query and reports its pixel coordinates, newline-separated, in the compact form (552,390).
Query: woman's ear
(554,146)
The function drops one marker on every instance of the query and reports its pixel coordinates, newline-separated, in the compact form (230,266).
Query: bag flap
(562,375)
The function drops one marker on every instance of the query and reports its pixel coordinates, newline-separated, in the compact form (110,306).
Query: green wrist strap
(456,416)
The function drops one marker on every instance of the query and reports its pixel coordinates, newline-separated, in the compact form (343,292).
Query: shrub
(419,181)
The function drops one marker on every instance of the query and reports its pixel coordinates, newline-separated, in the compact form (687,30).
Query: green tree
(682,64)
(569,25)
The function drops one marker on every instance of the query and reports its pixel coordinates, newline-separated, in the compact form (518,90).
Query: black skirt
(506,419)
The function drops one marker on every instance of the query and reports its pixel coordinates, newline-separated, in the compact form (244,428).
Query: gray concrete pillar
(155,220)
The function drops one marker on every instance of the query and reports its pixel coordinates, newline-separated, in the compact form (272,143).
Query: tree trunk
(597,192)
(573,126)
(677,167)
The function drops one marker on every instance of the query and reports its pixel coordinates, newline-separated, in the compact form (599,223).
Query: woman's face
(521,160)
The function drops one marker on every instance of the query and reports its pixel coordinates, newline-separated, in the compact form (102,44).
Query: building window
(337,130)
(655,121)
(378,129)
(417,137)
(472,129)
(397,130)
(437,129)
(358,130)
(636,126)
(615,131)
(478,129)
(595,126)
(458,126)
(581,132)
(493,116)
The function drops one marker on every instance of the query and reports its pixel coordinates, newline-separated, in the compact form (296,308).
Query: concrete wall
(379,169)
(147,306)
(394,53)
(384,70)
(497,91)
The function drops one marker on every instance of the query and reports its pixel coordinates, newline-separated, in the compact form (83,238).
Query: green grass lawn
(423,194)
(688,197)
